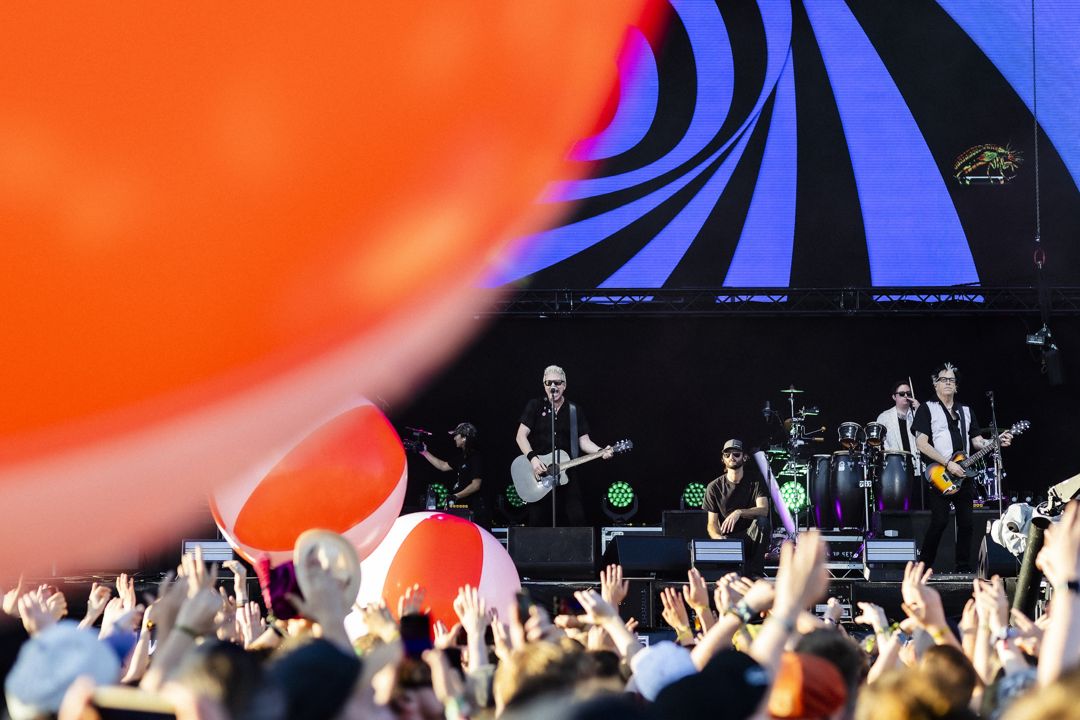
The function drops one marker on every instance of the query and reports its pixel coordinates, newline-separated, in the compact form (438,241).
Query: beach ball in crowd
(441,553)
(347,475)
(219,218)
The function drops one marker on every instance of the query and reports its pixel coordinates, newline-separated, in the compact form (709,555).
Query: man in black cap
(738,506)
(470,470)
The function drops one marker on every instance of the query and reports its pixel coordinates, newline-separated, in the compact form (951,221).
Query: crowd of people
(744,648)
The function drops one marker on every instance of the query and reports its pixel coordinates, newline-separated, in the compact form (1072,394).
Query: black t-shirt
(722,496)
(537,417)
(468,468)
(922,425)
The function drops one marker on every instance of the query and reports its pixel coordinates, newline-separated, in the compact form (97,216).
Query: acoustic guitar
(530,488)
(946,483)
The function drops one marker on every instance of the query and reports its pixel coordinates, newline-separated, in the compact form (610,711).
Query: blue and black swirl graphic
(815,143)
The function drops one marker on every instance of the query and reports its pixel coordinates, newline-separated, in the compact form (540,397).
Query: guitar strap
(575,447)
(963,431)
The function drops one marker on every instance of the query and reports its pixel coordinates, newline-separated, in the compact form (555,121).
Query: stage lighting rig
(620,502)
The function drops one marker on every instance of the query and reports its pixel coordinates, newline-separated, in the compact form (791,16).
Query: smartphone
(524,604)
(569,605)
(416,634)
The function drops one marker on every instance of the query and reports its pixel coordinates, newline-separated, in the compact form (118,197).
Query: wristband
(188,631)
(742,611)
(937,633)
(1004,635)
(530,455)
(682,634)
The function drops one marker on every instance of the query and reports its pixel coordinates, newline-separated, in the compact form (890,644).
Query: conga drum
(845,474)
(820,496)
(848,435)
(895,488)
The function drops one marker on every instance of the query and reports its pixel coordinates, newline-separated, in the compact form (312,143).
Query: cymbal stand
(995,493)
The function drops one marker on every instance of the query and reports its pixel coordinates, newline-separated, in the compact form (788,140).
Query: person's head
(554,382)
(534,670)
(223,672)
(945,379)
(313,679)
(734,454)
(901,394)
(807,687)
(906,695)
(465,435)
(952,671)
(731,681)
(841,651)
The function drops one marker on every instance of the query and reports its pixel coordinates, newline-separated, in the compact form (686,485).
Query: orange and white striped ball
(441,553)
(347,474)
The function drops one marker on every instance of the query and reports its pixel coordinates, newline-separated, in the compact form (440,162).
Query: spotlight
(693,496)
(620,502)
(510,504)
(794,496)
(1039,338)
(436,496)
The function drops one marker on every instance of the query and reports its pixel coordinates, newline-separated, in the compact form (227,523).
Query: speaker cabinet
(560,553)
(649,557)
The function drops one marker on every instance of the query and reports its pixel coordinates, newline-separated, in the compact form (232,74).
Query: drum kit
(845,487)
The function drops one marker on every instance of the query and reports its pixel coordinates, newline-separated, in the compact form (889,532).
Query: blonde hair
(554,370)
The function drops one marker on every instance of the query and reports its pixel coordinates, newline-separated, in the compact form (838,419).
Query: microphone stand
(998,467)
(554,467)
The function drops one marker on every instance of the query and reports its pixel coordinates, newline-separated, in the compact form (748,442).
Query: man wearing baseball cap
(468,488)
(738,506)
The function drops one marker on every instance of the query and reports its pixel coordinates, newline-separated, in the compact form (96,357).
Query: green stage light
(693,495)
(513,498)
(441,493)
(620,494)
(794,496)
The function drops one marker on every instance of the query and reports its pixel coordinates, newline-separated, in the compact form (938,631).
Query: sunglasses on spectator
(904,394)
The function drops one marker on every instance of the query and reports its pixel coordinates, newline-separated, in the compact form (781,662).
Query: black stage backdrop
(679,386)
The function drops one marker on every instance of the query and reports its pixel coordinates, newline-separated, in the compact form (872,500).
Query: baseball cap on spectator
(49,662)
(806,687)
(730,687)
(659,665)
(733,444)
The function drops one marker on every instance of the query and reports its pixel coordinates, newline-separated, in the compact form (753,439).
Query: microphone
(418,431)
(767,410)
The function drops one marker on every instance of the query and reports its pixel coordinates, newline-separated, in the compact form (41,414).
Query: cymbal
(792,391)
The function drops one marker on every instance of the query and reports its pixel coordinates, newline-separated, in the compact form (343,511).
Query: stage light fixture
(794,496)
(693,496)
(436,496)
(512,497)
(620,502)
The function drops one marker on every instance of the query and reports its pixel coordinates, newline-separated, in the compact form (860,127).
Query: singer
(534,439)
(738,507)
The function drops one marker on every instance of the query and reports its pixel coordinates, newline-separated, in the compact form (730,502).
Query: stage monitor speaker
(887,559)
(954,595)
(996,560)
(560,553)
(649,557)
(715,558)
(687,524)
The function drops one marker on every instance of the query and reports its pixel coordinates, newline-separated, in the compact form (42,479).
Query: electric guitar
(946,483)
(530,488)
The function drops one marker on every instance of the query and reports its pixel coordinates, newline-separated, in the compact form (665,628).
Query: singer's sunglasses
(554,383)
(904,394)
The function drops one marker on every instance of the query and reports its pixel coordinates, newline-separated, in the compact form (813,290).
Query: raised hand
(125,590)
(504,644)
(472,611)
(379,621)
(833,611)
(225,620)
(199,610)
(239,572)
(194,570)
(411,601)
(324,602)
(597,609)
(674,612)
(727,594)
(445,637)
(612,586)
(35,613)
(95,604)
(1059,558)
(922,602)
(991,603)
(801,577)
(696,592)
(250,622)
(11,598)
(874,616)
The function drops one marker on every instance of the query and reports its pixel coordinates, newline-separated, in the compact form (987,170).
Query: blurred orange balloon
(219,218)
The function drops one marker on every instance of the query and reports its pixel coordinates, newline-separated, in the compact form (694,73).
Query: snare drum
(896,485)
(875,434)
(849,434)
(820,496)
(846,508)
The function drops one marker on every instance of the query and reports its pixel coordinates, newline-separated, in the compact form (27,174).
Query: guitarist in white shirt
(534,439)
(942,428)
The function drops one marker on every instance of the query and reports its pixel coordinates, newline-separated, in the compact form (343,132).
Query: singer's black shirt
(722,496)
(537,418)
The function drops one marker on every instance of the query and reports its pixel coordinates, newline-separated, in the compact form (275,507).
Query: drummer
(897,421)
